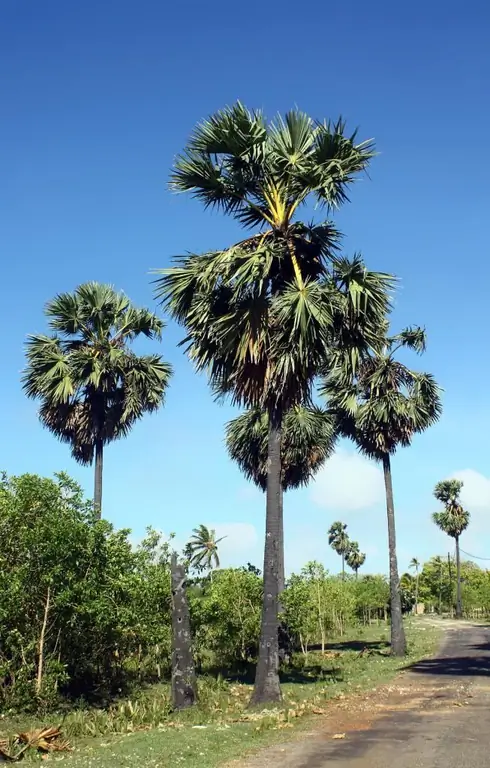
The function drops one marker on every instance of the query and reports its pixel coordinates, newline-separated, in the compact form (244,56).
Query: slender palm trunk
(459,605)
(267,687)
(357,573)
(398,642)
(416,590)
(280,555)
(99,463)
(343,566)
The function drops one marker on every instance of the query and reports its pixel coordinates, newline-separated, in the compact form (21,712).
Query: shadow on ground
(453,666)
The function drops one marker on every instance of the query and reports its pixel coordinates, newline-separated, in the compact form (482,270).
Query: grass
(144,731)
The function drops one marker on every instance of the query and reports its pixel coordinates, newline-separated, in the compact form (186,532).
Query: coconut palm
(382,409)
(202,549)
(414,565)
(339,541)
(453,520)
(354,558)
(308,439)
(92,387)
(259,316)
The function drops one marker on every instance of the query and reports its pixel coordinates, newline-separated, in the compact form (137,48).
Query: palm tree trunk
(417,591)
(280,555)
(459,606)
(398,642)
(343,567)
(99,463)
(267,687)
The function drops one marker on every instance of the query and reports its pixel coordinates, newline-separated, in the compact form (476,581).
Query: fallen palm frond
(47,739)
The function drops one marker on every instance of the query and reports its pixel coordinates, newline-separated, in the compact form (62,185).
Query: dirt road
(435,715)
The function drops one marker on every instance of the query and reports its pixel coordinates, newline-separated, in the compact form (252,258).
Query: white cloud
(476,489)
(348,482)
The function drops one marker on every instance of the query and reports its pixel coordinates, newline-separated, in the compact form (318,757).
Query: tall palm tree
(381,409)
(203,548)
(308,439)
(258,316)
(339,541)
(414,565)
(92,387)
(453,520)
(354,558)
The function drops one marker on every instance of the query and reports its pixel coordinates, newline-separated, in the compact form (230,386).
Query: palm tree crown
(354,558)
(91,386)
(387,403)
(202,548)
(261,312)
(453,519)
(308,439)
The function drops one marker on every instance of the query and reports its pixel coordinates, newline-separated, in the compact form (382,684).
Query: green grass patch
(143,730)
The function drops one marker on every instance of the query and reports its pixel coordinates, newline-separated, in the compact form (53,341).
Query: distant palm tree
(453,520)
(415,565)
(91,386)
(308,439)
(339,541)
(354,558)
(203,549)
(380,410)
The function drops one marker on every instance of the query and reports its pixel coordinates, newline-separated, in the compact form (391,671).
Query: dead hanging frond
(45,740)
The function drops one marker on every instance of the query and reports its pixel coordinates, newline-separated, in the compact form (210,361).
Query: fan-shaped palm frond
(354,558)
(91,386)
(308,439)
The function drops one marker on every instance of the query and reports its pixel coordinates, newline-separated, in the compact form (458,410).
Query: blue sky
(96,100)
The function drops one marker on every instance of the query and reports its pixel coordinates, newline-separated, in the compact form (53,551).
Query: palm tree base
(267,690)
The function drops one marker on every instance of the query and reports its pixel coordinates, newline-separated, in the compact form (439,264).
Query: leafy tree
(308,439)
(260,315)
(372,596)
(381,409)
(82,612)
(226,617)
(91,385)
(453,520)
(340,542)
(354,558)
(202,549)
(415,565)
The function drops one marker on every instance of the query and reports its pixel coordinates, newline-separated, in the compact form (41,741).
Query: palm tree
(258,316)
(308,439)
(202,549)
(354,558)
(91,386)
(453,520)
(339,541)
(415,566)
(381,409)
